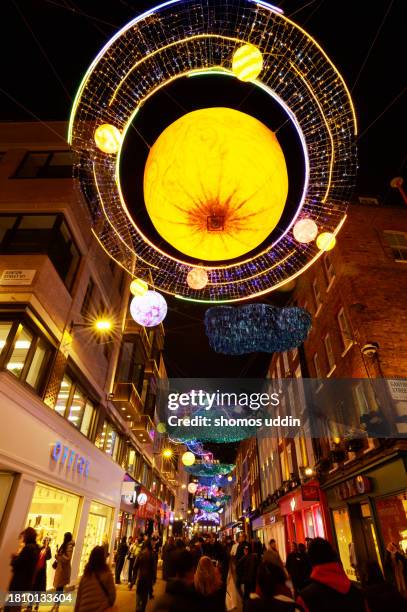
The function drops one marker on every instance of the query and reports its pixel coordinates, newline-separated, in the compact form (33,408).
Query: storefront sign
(398,389)
(359,485)
(17,277)
(73,461)
(310,493)
(149,507)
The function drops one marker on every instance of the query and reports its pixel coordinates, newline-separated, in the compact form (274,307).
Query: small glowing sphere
(305,230)
(108,138)
(326,241)
(167,453)
(161,428)
(192,487)
(209,210)
(103,325)
(138,286)
(220,510)
(288,286)
(197,278)
(188,458)
(196,510)
(142,499)
(218,504)
(230,478)
(149,309)
(247,63)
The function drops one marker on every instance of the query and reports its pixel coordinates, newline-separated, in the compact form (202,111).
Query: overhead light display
(188,458)
(149,309)
(138,286)
(317,103)
(214,211)
(197,278)
(305,230)
(192,488)
(326,241)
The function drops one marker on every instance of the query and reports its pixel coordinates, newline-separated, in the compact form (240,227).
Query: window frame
(87,398)
(50,154)
(348,341)
(394,248)
(317,365)
(329,352)
(328,270)
(317,296)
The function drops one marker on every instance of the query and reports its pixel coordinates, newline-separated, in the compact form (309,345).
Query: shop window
(45,164)
(73,404)
(98,531)
(329,353)
(397,241)
(52,513)
(345,329)
(41,234)
(392,515)
(24,353)
(108,440)
(346,546)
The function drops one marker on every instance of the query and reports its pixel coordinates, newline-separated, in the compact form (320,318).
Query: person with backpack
(62,565)
(96,591)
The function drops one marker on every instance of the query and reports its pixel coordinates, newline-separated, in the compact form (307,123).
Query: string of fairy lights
(251,41)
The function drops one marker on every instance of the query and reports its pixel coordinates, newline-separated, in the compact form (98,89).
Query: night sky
(49,44)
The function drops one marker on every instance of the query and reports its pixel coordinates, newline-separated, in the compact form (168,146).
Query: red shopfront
(305,514)
(148,513)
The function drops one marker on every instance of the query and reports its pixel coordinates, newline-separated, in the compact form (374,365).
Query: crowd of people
(206,574)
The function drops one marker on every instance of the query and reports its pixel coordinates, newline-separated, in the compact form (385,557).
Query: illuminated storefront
(54,479)
(270,526)
(304,514)
(148,513)
(368,514)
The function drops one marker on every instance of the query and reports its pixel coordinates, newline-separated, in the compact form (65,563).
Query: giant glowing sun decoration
(149,309)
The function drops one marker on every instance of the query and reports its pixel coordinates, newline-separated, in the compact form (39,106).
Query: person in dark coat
(209,585)
(120,558)
(246,571)
(144,571)
(180,594)
(167,549)
(40,582)
(329,589)
(273,593)
(299,567)
(380,594)
(24,565)
(241,546)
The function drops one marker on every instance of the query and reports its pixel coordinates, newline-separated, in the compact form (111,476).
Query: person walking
(380,594)
(167,549)
(396,564)
(246,570)
(63,559)
(40,581)
(208,585)
(329,587)
(298,566)
(24,564)
(273,595)
(134,552)
(96,591)
(144,571)
(180,594)
(272,555)
(120,558)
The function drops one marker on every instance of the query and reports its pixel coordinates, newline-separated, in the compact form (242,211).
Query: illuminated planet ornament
(142,499)
(149,309)
(108,138)
(138,287)
(161,428)
(247,63)
(197,278)
(196,510)
(326,241)
(192,488)
(188,458)
(207,209)
(305,230)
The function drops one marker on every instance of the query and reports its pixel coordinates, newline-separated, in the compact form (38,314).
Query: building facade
(77,447)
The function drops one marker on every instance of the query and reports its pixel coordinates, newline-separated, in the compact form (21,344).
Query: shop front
(369,514)
(148,513)
(304,514)
(270,526)
(53,479)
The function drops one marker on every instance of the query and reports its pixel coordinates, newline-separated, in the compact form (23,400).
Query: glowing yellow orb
(326,241)
(138,286)
(108,138)
(161,428)
(215,183)
(188,458)
(247,63)
(197,278)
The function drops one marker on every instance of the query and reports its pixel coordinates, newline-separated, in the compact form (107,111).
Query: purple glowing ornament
(149,309)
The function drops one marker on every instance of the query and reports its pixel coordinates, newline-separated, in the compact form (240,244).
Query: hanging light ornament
(256,328)
(305,230)
(197,278)
(326,241)
(188,459)
(138,287)
(192,488)
(149,309)
(247,62)
(161,428)
(108,138)
(210,469)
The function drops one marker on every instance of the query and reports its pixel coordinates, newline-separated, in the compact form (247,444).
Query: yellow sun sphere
(188,458)
(326,241)
(247,63)
(108,138)
(138,286)
(215,183)
(197,278)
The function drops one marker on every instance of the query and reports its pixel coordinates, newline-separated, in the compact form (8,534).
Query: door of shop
(364,530)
